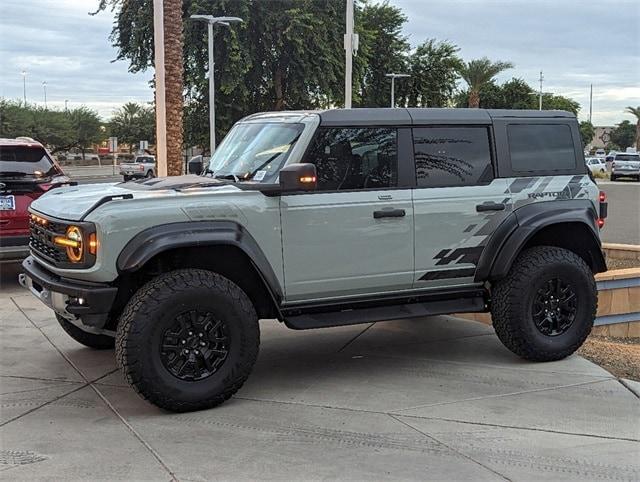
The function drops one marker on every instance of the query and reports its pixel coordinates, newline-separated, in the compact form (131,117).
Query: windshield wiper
(230,177)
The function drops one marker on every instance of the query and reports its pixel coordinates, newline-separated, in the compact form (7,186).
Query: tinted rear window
(20,161)
(541,147)
(452,156)
(627,157)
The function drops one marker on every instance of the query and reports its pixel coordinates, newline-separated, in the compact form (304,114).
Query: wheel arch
(225,247)
(565,224)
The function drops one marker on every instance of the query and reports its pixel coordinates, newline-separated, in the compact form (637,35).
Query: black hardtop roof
(413,116)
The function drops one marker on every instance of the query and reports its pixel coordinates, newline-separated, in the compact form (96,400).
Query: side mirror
(194,166)
(298,177)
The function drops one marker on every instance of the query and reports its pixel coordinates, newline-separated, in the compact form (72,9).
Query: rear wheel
(99,342)
(188,340)
(544,309)
(613,177)
(149,174)
(127,178)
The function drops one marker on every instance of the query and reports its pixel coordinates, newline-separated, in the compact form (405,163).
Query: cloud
(575,43)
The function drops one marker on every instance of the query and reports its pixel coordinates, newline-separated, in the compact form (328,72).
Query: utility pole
(351,49)
(66,102)
(393,77)
(212,22)
(44,87)
(161,108)
(24,86)
(590,102)
(541,79)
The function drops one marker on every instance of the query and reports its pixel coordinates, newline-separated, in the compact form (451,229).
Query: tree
(559,102)
(384,50)
(434,71)
(587,133)
(51,127)
(132,123)
(623,135)
(636,112)
(479,72)
(87,128)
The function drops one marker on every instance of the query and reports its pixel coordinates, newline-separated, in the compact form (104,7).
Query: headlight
(76,245)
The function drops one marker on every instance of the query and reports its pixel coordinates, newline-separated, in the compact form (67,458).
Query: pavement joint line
(90,383)
(485,424)
(488,365)
(355,338)
(459,452)
(501,395)
(628,387)
(40,379)
(135,433)
(48,402)
(41,389)
(413,343)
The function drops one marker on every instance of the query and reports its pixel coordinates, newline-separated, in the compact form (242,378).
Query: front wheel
(544,309)
(98,342)
(187,340)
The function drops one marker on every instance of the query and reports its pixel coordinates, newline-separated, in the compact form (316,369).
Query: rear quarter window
(541,147)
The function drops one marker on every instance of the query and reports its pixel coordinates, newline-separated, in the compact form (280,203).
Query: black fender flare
(153,241)
(521,225)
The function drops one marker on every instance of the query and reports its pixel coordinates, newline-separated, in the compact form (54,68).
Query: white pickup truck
(141,166)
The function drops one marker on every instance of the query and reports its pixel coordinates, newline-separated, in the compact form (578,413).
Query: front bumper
(78,302)
(13,248)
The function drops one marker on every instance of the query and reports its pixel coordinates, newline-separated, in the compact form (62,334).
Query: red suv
(26,172)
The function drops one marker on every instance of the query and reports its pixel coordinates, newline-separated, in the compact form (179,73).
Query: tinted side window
(541,147)
(451,156)
(354,158)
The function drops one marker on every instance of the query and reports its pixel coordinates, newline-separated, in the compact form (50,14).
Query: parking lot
(437,398)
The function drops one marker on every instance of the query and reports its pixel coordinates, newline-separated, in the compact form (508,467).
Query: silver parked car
(141,166)
(625,165)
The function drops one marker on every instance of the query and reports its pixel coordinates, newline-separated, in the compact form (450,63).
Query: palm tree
(478,73)
(173,81)
(636,112)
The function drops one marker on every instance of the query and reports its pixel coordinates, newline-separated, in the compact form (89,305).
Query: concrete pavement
(436,399)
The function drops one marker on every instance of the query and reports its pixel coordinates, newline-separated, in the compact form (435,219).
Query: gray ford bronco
(321,219)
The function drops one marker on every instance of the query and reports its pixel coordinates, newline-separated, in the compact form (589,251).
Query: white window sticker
(259,175)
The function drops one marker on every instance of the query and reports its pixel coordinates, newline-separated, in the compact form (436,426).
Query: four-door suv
(141,166)
(625,164)
(26,172)
(322,219)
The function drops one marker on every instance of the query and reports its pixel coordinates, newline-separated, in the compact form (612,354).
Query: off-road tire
(99,342)
(152,310)
(512,301)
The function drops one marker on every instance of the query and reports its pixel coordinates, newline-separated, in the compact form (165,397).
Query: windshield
(254,151)
(627,157)
(24,161)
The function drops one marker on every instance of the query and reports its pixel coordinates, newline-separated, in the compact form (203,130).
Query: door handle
(389,213)
(490,206)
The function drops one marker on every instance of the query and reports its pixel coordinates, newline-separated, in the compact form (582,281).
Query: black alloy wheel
(554,307)
(195,346)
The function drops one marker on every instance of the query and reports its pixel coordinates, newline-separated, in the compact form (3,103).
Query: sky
(574,42)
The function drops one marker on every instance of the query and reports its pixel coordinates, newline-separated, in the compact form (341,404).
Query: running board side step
(354,316)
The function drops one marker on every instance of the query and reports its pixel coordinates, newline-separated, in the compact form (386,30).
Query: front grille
(41,241)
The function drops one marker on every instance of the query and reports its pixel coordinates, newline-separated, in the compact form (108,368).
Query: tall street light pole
(393,78)
(351,41)
(541,79)
(211,22)
(24,86)
(44,88)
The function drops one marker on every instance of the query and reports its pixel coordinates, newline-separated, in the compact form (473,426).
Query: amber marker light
(93,244)
(307,179)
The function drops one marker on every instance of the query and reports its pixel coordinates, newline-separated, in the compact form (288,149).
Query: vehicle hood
(73,203)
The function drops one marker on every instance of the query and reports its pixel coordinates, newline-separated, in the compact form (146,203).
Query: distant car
(600,153)
(141,166)
(27,171)
(596,164)
(625,165)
